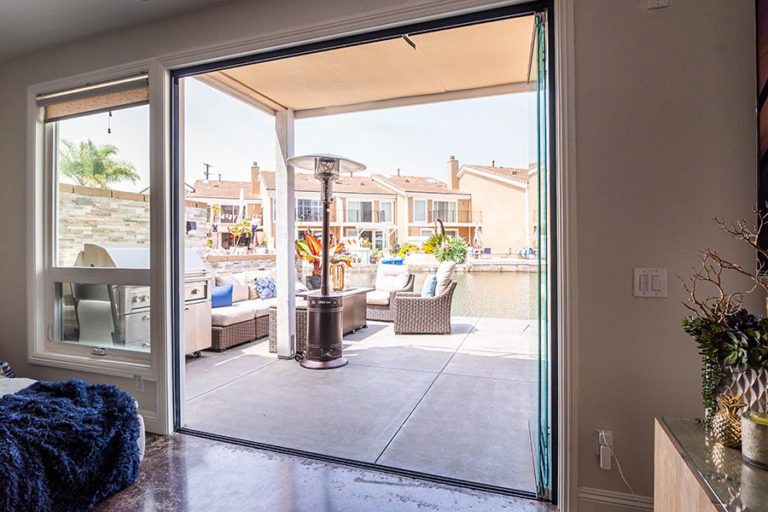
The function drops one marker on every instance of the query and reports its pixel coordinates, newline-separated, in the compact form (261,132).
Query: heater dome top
(323,163)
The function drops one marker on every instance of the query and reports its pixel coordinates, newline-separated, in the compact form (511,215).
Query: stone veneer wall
(111,217)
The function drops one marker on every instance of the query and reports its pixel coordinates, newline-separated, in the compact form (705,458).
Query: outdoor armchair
(390,280)
(414,314)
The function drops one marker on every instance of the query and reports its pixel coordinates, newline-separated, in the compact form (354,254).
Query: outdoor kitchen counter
(694,473)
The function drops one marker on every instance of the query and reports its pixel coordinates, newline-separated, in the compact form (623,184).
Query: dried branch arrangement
(708,275)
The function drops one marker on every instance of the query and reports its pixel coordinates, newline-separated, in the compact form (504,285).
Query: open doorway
(452,120)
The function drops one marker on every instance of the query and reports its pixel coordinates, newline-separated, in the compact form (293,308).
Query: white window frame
(359,203)
(43,274)
(314,203)
(424,201)
(391,204)
(455,210)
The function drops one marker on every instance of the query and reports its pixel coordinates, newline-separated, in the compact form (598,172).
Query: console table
(694,473)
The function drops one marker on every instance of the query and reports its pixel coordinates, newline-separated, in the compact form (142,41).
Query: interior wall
(666,138)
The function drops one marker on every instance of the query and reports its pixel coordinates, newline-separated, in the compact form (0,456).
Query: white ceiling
(29,25)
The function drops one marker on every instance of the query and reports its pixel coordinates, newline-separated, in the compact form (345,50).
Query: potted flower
(310,249)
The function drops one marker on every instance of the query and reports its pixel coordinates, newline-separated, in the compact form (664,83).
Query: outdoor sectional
(246,319)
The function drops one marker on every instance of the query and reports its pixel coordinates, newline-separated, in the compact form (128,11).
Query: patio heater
(324,309)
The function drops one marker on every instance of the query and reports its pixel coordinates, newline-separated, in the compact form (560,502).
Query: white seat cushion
(239,286)
(236,313)
(378,298)
(444,276)
(390,278)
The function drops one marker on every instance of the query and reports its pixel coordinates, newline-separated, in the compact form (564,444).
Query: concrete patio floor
(457,406)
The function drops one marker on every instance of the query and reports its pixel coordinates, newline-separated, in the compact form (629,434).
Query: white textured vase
(751,385)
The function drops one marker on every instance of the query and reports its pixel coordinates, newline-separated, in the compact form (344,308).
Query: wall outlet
(604,448)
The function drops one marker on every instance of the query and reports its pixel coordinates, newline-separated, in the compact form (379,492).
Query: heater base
(324,365)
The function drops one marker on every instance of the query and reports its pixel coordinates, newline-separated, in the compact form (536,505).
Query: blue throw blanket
(65,446)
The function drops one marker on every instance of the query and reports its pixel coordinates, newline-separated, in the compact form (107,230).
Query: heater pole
(326,185)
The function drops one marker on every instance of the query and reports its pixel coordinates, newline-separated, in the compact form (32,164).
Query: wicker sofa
(390,280)
(414,314)
(247,319)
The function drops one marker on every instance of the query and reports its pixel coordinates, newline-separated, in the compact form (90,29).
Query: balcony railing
(309,216)
(368,216)
(229,218)
(456,216)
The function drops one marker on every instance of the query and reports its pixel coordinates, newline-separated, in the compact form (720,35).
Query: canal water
(484,294)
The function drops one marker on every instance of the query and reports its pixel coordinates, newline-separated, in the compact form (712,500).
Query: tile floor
(458,406)
(191,474)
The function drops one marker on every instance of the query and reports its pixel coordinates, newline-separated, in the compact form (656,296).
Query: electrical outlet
(604,447)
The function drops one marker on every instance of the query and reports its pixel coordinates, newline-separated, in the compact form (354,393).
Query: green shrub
(455,250)
(406,249)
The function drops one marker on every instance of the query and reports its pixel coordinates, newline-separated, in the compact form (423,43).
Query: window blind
(95,98)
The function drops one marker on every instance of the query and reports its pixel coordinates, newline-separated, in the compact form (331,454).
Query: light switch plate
(656,4)
(650,282)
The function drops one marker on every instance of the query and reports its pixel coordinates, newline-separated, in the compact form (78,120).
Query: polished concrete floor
(182,473)
(461,406)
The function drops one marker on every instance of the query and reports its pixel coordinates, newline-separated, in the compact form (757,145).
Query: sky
(228,134)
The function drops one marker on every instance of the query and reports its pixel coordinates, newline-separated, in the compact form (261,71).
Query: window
(309,210)
(419,210)
(230,214)
(359,211)
(385,211)
(426,232)
(98,236)
(350,232)
(444,210)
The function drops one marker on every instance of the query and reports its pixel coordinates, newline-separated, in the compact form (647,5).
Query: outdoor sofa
(247,319)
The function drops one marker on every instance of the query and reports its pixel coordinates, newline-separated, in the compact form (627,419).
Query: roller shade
(91,99)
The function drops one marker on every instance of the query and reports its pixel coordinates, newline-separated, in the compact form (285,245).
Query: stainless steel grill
(120,314)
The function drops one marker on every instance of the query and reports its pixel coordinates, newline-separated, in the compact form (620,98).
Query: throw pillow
(444,276)
(266,287)
(239,286)
(429,287)
(221,296)
(253,293)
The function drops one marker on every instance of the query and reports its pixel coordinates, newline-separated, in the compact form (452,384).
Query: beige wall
(664,140)
(503,212)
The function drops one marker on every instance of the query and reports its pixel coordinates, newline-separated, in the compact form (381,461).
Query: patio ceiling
(475,60)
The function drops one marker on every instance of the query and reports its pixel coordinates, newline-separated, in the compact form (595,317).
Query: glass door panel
(541,238)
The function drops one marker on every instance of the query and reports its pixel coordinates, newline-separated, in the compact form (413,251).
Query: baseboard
(151,422)
(622,499)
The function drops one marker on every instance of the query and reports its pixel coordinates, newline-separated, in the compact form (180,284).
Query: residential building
(422,200)
(229,202)
(508,196)
(362,208)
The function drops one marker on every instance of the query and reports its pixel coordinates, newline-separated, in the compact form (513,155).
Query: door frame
(431,16)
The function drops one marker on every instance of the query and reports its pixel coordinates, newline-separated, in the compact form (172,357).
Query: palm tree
(93,165)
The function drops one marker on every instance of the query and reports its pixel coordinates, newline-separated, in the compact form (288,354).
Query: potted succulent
(732,343)
(310,249)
